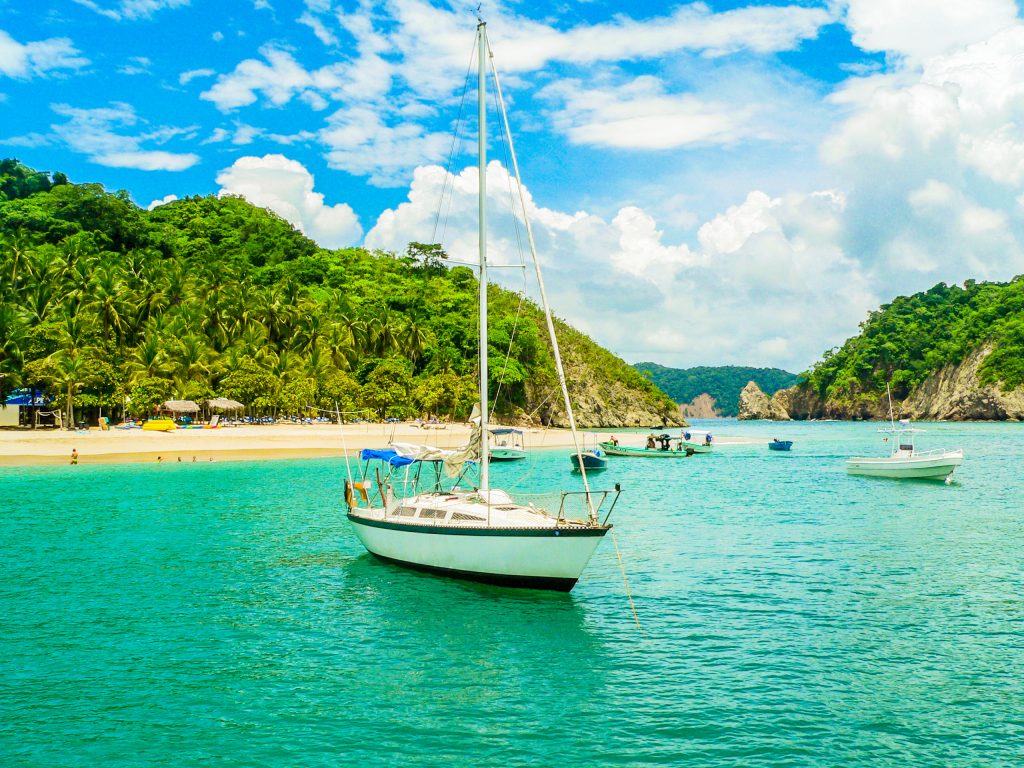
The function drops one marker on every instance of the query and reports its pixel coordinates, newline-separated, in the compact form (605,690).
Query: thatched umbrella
(180,406)
(223,404)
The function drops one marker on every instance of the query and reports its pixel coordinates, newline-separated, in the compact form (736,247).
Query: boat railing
(573,505)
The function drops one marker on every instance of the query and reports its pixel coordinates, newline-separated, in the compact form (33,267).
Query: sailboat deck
(466,509)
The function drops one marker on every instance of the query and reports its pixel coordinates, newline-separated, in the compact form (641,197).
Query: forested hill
(103,301)
(907,342)
(723,383)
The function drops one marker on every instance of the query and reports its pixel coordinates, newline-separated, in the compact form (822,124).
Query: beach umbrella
(180,406)
(224,404)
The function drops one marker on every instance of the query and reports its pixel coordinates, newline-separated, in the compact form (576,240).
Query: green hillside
(103,301)
(723,382)
(913,336)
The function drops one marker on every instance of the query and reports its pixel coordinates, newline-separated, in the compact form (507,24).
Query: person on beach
(74,455)
(159,459)
(179,459)
(193,459)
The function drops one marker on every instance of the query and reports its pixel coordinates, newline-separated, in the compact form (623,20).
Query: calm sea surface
(225,614)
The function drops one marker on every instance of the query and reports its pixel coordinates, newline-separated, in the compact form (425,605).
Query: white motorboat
(905,461)
(507,444)
(479,533)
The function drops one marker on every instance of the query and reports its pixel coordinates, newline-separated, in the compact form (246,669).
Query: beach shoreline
(255,443)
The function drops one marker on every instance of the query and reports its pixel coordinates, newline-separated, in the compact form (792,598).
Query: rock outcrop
(703,406)
(956,393)
(755,404)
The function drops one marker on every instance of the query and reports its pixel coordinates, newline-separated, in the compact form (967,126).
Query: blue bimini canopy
(505,431)
(386,455)
(28,397)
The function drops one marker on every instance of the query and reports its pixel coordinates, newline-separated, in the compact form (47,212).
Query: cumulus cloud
(744,296)
(360,142)
(933,163)
(918,29)
(40,58)
(94,132)
(162,201)
(285,187)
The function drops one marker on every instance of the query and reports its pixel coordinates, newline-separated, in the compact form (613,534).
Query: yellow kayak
(159,425)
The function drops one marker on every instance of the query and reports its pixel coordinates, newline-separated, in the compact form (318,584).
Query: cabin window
(462,516)
(407,512)
(437,514)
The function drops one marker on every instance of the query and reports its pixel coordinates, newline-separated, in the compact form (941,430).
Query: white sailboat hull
(540,558)
(933,466)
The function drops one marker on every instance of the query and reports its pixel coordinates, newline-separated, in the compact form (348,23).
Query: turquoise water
(224,614)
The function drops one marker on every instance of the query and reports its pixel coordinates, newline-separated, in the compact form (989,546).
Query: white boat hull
(507,454)
(539,558)
(932,467)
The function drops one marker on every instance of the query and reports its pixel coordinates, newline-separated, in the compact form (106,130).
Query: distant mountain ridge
(722,383)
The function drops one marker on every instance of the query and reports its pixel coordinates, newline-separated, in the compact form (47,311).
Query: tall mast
(481,31)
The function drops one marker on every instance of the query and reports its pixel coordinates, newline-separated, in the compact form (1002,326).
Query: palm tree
(148,359)
(107,298)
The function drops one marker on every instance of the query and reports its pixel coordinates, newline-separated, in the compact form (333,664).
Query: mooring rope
(625,581)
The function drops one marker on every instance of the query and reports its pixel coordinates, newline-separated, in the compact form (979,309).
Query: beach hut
(179,408)
(18,407)
(223,404)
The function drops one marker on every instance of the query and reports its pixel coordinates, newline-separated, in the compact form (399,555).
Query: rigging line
(503,141)
(625,581)
(544,299)
(451,150)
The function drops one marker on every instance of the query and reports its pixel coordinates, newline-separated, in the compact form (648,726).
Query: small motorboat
(594,460)
(780,445)
(905,461)
(507,445)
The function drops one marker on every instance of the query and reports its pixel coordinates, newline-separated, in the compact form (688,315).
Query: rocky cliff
(701,407)
(954,393)
(755,404)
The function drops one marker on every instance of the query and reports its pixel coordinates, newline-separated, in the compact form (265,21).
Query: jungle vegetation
(913,336)
(722,382)
(106,305)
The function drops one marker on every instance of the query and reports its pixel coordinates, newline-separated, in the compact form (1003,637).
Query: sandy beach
(49,446)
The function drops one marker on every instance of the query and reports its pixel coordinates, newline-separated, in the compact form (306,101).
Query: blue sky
(710,183)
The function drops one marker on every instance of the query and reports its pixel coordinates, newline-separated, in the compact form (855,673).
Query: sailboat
(905,461)
(479,533)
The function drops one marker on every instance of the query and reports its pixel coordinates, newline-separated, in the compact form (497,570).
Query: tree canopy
(107,304)
(904,341)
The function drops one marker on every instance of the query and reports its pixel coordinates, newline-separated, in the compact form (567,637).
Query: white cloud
(93,132)
(432,41)
(745,296)
(285,187)
(323,34)
(186,77)
(641,115)
(918,29)
(933,163)
(131,9)
(40,58)
(162,201)
(136,65)
(360,142)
